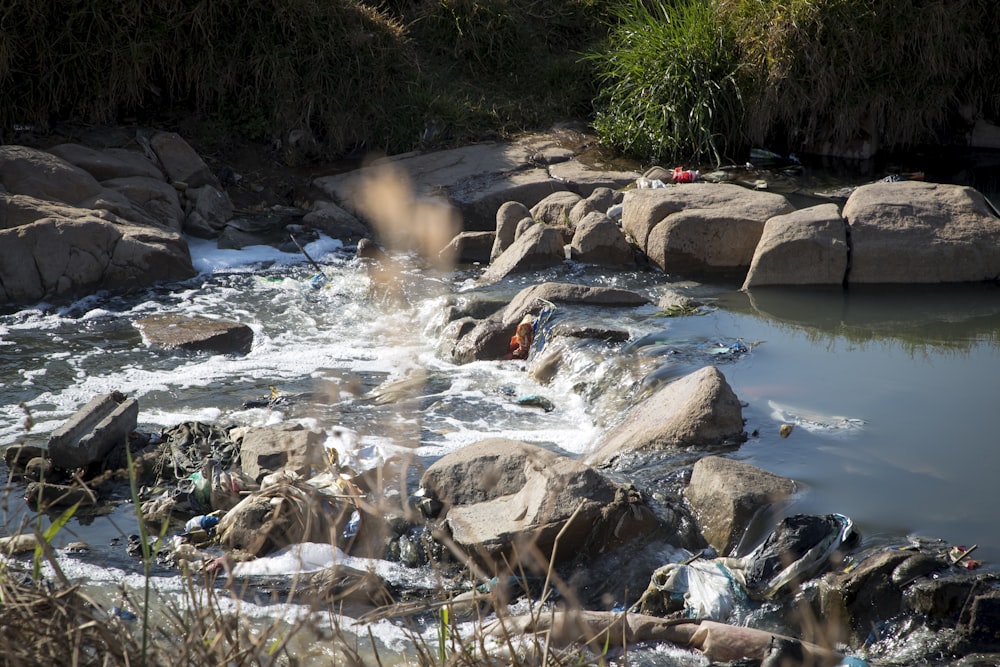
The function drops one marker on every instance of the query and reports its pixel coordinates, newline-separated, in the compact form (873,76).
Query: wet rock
(505,499)
(598,240)
(470,248)
(17,457)
(915,232)
(195,334)
(38,469)
(698,410)
(488,339)
(538,248)
(343,584)
(807,247)
(266,450)
(862,598)
(93,431)
(110,163)
(699,227)
(508,216)
(726,495)
(336,223)
(554,209)
(45,495)
(672,301)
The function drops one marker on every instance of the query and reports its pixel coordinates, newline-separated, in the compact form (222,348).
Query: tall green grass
(668,82)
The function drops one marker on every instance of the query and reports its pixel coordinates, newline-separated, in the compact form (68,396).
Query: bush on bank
(663,79)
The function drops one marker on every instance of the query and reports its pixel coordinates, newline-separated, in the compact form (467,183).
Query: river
(890,391)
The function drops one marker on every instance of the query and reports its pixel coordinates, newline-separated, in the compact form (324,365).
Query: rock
(698,410)
(336,223)
(523,225)
(672,301)
(865,596)
(476,179)
(196,334)
(598,240)
(726,495)
(208,211)
(580,211)
(154,197)
(508,216)
(110,163)
(18,544)
(984,134)
(807,247)
(915,232)
(699,227)
(554,210)
(32,172)
(293,447)
(180,162)
(46,495)
(53,251)
(540,247)
(584,179)
(93,431)
(470,248)
(531,299)
(17,457)
(488,339)
(503,499)
(601,199)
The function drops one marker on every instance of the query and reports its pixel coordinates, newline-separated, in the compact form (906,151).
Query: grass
(668,83)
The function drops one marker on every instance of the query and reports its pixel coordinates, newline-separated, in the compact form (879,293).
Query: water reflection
(915,316)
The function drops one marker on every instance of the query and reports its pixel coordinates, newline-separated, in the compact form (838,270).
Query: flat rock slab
(93,431)
(478,179)
(196,334)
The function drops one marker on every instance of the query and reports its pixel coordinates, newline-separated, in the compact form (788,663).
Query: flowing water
(891,393)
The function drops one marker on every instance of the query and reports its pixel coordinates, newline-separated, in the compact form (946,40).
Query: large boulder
(62,257)
(208,211)
(916,232)
(195,334)
(699,227)
(726,495)
(505,499)
(806,247)
(32,172)
(336,223)
(698,410)
(540,247)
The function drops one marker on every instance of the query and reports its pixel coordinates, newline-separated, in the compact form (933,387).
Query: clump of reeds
(668,87)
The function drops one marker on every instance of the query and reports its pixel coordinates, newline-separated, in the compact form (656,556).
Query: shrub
(668,82)
(335,67)
(831,71)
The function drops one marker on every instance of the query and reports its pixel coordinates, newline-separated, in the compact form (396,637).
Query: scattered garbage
(682,175)
(352,525)
(798,548)
(520,343)
(123,614)
(814,421)
(785,430)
